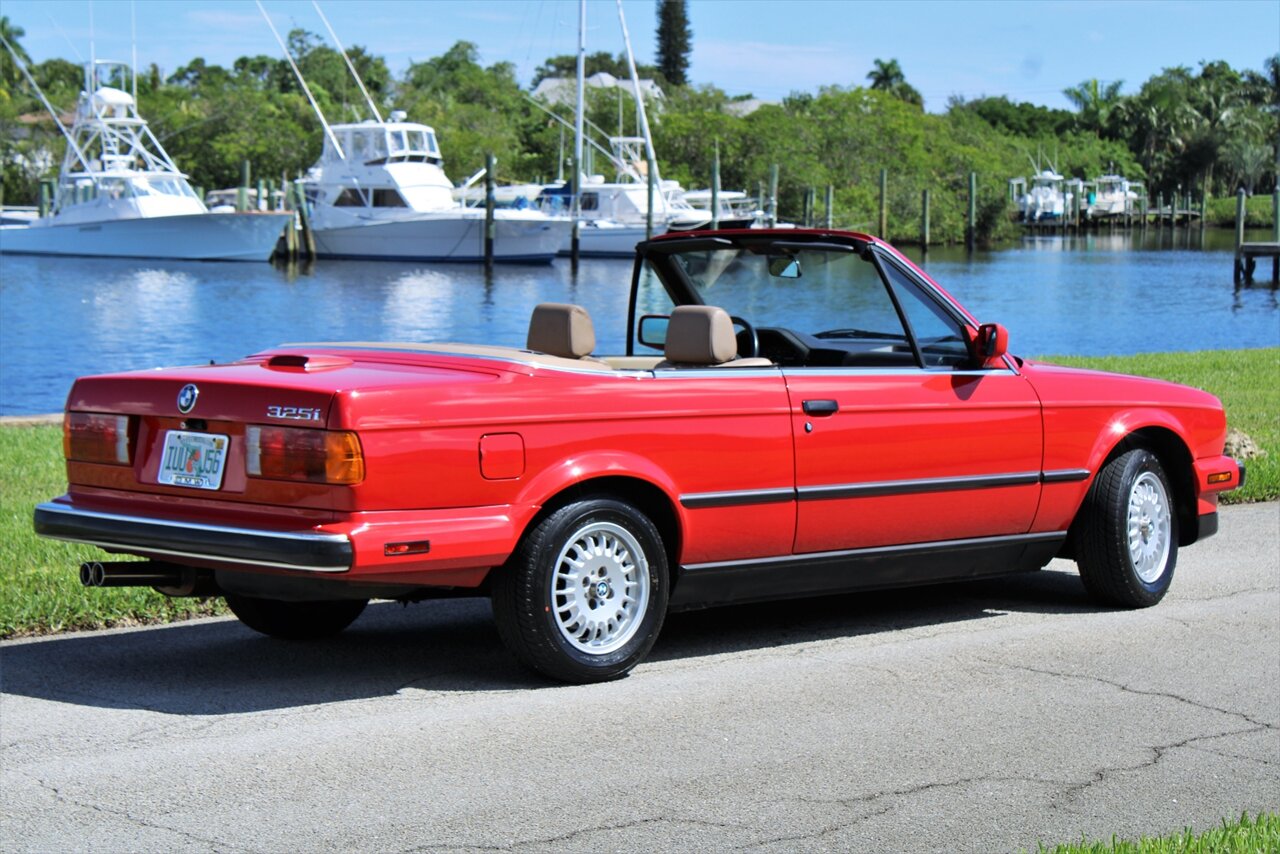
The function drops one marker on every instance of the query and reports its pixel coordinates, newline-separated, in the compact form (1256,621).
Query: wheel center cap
(602,590)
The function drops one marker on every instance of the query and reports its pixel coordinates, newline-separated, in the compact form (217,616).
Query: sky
(1028,50)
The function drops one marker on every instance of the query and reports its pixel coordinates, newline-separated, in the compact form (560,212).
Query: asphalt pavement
(983,716)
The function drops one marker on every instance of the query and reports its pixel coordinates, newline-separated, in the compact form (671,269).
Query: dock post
(831,197)
(242,194)
(490,202)
(308,242)
(1275,233)
(1238,272)
(773,195)
(262,196)
(648,219)
(884,204)
(971,236)
(924,221)
(1159,210)
(46,196)
(715,186)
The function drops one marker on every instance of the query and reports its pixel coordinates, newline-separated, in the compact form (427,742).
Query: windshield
(811,303)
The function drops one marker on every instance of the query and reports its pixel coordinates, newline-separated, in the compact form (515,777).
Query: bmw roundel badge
(187,398)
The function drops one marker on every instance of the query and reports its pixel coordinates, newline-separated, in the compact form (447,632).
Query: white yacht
(1112,196)
(1046,200)
(379,191)
(120,195)
(614,214)
(736,208)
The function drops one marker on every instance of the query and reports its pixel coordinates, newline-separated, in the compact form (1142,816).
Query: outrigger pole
(337,146)
(17,60)
(342,50)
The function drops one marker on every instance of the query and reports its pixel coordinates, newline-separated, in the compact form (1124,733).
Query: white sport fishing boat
(1113,195)
(614,215)
(1046,200)
(120,195)
(379,191)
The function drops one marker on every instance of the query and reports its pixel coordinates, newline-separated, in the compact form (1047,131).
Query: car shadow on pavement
(215,667)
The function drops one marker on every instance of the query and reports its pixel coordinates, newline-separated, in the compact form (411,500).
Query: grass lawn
(1260,835)
(40,590)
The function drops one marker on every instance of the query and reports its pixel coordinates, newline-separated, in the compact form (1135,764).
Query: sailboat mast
(342,50)
(576,208)
(301,80)
(644,118)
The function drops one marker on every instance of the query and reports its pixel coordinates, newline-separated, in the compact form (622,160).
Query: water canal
(1093,295)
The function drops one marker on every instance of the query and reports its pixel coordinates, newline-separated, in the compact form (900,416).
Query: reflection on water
(1096,294)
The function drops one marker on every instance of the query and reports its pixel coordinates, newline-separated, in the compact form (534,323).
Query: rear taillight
(92,437)
(294,453)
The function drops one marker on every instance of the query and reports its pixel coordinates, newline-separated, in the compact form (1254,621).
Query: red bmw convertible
(797,412)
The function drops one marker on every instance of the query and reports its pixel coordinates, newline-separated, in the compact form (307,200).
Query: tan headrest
(561,329)
(700,335)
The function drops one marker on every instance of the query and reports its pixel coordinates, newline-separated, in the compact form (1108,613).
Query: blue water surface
(65,317)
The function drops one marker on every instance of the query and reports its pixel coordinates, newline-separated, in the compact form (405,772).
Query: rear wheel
(295,620)
(584,596)
(1128,535)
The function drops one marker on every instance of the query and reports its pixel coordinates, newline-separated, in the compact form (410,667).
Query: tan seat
(703,336)
(562,329)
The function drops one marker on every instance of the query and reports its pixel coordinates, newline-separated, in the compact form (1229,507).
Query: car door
(898,438)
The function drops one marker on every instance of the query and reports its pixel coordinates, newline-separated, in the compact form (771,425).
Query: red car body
(761,480)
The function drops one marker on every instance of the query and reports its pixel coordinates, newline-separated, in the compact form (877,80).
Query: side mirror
(653,331)
(989,344)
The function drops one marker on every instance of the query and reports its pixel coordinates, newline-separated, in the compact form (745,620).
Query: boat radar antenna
(337,146)
(17,60)
(342,50)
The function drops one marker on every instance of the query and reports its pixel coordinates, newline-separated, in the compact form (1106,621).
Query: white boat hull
(192,237)
(447,236)
(617,241)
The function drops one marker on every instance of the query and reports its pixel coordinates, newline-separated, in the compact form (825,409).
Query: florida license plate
(194,460)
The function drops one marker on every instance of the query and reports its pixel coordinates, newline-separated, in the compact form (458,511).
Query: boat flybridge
(120,195)
(379,190)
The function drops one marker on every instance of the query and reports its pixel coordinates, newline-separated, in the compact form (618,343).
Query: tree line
(1214,129)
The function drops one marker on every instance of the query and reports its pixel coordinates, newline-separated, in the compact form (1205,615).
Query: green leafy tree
(675,41)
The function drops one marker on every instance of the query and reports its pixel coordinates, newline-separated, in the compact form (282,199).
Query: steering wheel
(747,336)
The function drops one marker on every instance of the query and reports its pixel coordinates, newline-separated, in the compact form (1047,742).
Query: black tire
(295,620)
(558,617)
(1106,546)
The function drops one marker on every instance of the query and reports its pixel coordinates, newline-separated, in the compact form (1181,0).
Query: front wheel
(584,595)
(295,620)
(1128,536)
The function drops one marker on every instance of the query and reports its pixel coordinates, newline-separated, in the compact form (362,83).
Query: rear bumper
(452,547)
(303,550)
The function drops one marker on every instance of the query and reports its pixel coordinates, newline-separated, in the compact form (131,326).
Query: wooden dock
(1247,255)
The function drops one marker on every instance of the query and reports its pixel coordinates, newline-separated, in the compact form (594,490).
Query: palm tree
(886,75)
(1096,101)
(8,71)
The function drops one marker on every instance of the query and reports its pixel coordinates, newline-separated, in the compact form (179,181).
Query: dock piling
(242,192)
(715,186)
(831,197)
(971,233)
(884,204)
(924,221)
(773,195)
(490,202)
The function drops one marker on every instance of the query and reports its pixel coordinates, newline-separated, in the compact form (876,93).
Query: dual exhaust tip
(169,578)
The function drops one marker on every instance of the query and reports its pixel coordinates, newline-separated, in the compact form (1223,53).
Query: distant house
(564,90)
(746,107)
